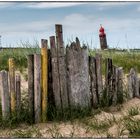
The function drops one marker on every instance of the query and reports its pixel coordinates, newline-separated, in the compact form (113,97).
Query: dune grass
(19,54)
(125,59)
(121,58)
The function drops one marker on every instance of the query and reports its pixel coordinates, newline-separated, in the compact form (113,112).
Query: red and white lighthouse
(102,36)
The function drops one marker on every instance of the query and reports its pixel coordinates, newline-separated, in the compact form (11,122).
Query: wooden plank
(12,84)
(108,81)
(78,76)
(98,58)
(133,84)
(44,57)
(59,36)
(120,96)
(5,96)
(37,87)
(51,99)
(55,73)
(129,86)
(84,70)
(18,92)
(31,86)
(61,66)
(115,84)
(93,82)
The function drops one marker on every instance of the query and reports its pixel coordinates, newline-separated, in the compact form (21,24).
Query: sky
(33,21)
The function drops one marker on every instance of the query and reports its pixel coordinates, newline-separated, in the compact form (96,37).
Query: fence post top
(18,77)
(11,59)
(44,40)
(3,71)
(52,36)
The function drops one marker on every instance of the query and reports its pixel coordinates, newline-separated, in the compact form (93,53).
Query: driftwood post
(5,98)
(61,66)
(129,85)
(78,75)
(133,84)
(31,86)
(55,73)
(109,72)
(114,84)
(44,53)
(99,75)
(51,100)
(37,87)
(117,85)
(120,85)
(18,92)
(12,84)
(93,82)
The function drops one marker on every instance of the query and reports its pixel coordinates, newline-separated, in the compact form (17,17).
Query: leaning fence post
(12,84)
(99,75)
(55,73)
(5,98)
(37,87)
(62,66)
(44,83)
(31,85)
(18,92)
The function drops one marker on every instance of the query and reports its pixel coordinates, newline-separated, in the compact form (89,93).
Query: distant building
(102,36)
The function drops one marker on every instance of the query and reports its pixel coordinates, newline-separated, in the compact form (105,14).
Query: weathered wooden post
(51,100)
(55,73)
(114,84)
(133,84)
(31,86)
(120,85)
(117,85)
(44,53)
(93,82)
(37,87)
(12,84)
(99,75)
(108,80)
(18,92)
(61,66)
(78,75)
(5,97)
(129,85)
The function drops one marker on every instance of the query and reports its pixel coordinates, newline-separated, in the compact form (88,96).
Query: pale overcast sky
(35,20)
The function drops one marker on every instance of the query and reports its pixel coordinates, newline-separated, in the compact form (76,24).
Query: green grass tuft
(133,111)
(19,54)
(133,126)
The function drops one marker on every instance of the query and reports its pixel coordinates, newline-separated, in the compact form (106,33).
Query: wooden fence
(69,76)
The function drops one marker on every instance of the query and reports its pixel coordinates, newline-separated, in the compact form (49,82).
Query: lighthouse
(102,36)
